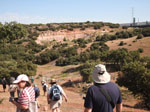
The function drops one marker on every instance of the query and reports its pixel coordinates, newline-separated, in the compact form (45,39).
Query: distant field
(132,44)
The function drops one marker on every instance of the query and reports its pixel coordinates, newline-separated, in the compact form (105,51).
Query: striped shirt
(23,98)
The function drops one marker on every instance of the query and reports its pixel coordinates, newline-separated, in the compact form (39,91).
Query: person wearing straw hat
(104,95)
(55,104)
(26,95)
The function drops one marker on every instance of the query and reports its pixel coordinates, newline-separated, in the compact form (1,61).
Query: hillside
(132,44)
(69,52)
(46,36)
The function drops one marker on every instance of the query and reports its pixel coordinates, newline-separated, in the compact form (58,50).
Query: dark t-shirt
(98,102)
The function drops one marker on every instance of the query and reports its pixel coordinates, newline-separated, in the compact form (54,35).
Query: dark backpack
(55,93)
(44,87)
(37,92)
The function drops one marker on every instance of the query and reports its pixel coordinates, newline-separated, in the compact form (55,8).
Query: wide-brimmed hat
(53,81)
(100,74)
(21,77)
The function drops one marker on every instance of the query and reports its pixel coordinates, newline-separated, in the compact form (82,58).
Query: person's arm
(48,99)
(48,95)
(119,107)
(66,99)
(19,105)
(63,93)
(87,110)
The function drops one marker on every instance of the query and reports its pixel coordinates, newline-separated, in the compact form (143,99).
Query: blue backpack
(55,93)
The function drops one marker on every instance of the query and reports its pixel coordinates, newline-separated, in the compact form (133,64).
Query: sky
(58,11)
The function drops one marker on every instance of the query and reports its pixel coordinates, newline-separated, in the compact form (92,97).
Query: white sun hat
(21,77)
(100,74)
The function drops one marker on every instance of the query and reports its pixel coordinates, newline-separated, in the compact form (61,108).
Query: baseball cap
(21,77)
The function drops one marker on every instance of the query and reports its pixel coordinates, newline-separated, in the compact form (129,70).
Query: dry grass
(130,45)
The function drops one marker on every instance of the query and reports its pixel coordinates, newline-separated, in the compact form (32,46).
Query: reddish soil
(48,36)
(132,44)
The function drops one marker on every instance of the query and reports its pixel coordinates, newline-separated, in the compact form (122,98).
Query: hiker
(4,82)
(32,79)
(104,95)
(12,89)
(37,93)
(26,99)
(54,96)
(44,86)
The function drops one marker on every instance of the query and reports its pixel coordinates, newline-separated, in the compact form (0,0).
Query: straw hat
(53,81)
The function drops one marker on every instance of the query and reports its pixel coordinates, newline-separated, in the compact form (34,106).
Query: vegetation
(86,71)
(136,77)
(140,36)
(19,53)
(71,26)
(12,31)
(1,100)
(15,58)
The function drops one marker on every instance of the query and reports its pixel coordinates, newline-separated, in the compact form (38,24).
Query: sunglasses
(101,73)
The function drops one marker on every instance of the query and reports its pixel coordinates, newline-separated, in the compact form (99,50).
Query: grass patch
(1,100)
(63,75)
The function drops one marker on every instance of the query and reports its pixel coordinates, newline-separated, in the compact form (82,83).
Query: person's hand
(48,101)
(11,99)
(66,99)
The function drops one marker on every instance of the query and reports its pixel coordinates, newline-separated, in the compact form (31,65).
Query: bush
(71,51)
(84,56)
(73,60)
(1,100)
(12,31)
(47,56)
(146,32)
(95,46)
(98,38)
(86,71)
(121,43)
(140,50)
(136,77)
(140,36)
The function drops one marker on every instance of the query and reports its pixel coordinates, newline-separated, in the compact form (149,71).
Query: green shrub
(1,100)
(12,31)
(121,43)
(140,36)
(140,50)
(86,71)
(136,77)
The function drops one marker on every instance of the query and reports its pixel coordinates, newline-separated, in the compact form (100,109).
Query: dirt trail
(75,101)
(74,104)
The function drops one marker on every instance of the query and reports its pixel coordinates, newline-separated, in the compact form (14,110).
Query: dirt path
(75,101)
(74,104)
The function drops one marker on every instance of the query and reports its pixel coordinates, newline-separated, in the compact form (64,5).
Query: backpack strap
(107,96)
